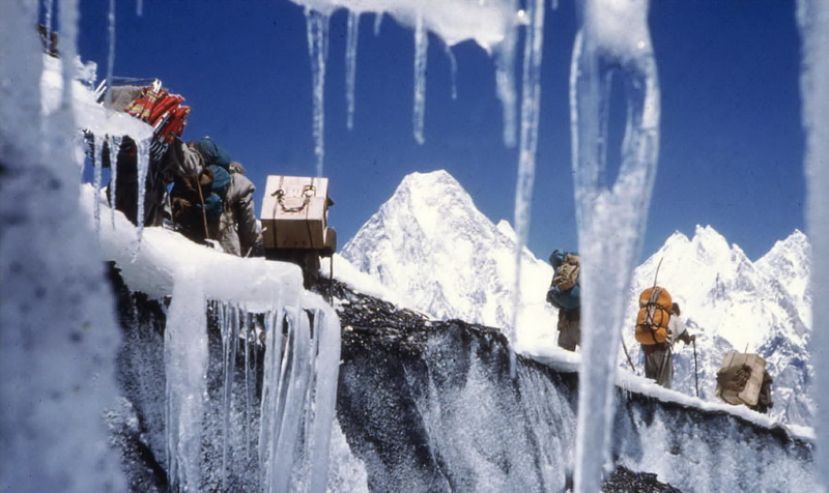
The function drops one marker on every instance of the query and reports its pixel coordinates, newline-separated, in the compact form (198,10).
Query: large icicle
(185,361)
(421,41)
(530,106)
(505,81)
(298,396)
(351,64)
(813,17)
(614,40)
(317,27)
(58,334)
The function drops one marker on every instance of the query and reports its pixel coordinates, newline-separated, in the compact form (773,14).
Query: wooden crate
(295,213)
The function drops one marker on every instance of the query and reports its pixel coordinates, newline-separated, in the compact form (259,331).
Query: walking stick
(624,346)
(696,371)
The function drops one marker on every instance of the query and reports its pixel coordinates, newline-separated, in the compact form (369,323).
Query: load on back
(295,222)
(743,380)
(653,317)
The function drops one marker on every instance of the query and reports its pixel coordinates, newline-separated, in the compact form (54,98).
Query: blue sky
(731,143)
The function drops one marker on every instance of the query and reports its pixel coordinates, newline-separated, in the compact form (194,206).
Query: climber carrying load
(295,223)
(743,379)
(658,327)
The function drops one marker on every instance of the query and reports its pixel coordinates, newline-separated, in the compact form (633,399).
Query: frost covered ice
(813,17)
(614,40)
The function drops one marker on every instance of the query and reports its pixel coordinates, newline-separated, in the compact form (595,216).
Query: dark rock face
(431,406)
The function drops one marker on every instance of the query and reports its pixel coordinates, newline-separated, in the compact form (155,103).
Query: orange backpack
(653,317)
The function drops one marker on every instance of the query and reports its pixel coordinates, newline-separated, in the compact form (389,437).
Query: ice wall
(257,305)
(613,41)
(58,335)
(813,17)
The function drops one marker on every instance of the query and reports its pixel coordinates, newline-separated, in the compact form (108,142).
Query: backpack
(653,317)
(564,289)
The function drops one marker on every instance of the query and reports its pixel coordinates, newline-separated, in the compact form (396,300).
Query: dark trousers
(569,329)
(659,364)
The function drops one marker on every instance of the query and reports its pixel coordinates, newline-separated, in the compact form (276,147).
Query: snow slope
(430,246)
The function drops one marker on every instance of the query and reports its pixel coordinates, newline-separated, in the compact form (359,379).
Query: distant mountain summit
(430,244)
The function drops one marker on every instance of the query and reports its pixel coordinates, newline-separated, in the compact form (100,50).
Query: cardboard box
(751,392)
(295,213)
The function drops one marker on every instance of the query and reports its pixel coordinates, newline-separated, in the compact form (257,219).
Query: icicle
(813,18)
(114,149)
(505,82)
(351,64)
(48,19)
(453,71)
(614,36)
(421,49)
(530,106)
(97,157)
(139,8)
(111,53)
(378,21)
(185,361)
(143,168)
(230,334)
(317,27)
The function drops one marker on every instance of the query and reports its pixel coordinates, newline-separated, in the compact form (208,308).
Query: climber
(213,200)
(659,357)
(164,112)
(564,294)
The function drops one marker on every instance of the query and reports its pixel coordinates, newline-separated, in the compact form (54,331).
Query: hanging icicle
(317,28)
(614,40)
(143,169)
(505,81)
(378,21)
(530,106)
(453,71)
(421,38)
(139,8)
(351,64)
(97,158)
(114,149)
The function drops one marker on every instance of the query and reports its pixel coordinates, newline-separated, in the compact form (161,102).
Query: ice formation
(58,335)
(301,360)
(111,51)
(421,42)
(530,108)
(317,25)
(813,17)
(351,64)
(492,25)
(614,40)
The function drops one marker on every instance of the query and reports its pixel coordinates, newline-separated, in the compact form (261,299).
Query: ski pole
(696,371)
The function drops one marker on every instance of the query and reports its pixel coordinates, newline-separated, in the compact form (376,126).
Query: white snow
(813,17)
(430,246)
